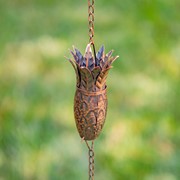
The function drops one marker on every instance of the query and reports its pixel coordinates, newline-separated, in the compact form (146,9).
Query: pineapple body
(90,110)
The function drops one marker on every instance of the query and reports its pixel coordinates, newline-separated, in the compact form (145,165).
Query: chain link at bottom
(91,164)
(91,160)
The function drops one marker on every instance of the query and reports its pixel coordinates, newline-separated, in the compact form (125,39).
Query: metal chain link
(91,20)
(91,160)
(91,26)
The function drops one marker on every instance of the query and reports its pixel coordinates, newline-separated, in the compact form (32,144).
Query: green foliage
(38,137)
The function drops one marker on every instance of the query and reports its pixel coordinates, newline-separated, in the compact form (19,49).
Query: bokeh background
(38,137)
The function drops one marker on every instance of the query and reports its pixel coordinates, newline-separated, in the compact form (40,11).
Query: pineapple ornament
(90,101)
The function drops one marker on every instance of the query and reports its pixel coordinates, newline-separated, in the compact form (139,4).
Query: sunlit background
(38,137)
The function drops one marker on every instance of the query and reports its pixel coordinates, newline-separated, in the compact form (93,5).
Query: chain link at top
(91,20)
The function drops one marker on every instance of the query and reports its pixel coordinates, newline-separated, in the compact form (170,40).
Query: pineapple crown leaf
(88,60)
(92,71)
(100,53)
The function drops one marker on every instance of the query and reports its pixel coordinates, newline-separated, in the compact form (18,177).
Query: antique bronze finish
(91,20)
(90,101)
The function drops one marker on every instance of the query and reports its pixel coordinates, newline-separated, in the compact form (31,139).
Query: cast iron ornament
(90,101)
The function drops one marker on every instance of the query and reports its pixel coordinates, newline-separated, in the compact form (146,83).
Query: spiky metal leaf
(92,70)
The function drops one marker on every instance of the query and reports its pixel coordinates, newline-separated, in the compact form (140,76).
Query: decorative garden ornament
(90,101)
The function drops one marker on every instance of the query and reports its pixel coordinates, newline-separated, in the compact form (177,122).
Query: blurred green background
(38,137)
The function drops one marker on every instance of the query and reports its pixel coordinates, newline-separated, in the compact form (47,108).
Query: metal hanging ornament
(90,101)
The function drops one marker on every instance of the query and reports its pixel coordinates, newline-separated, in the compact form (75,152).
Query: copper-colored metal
(91,20)
(90,102)
(91,160)
(90,112)
(91,164)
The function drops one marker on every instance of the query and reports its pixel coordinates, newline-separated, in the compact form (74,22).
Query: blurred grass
(141,137)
